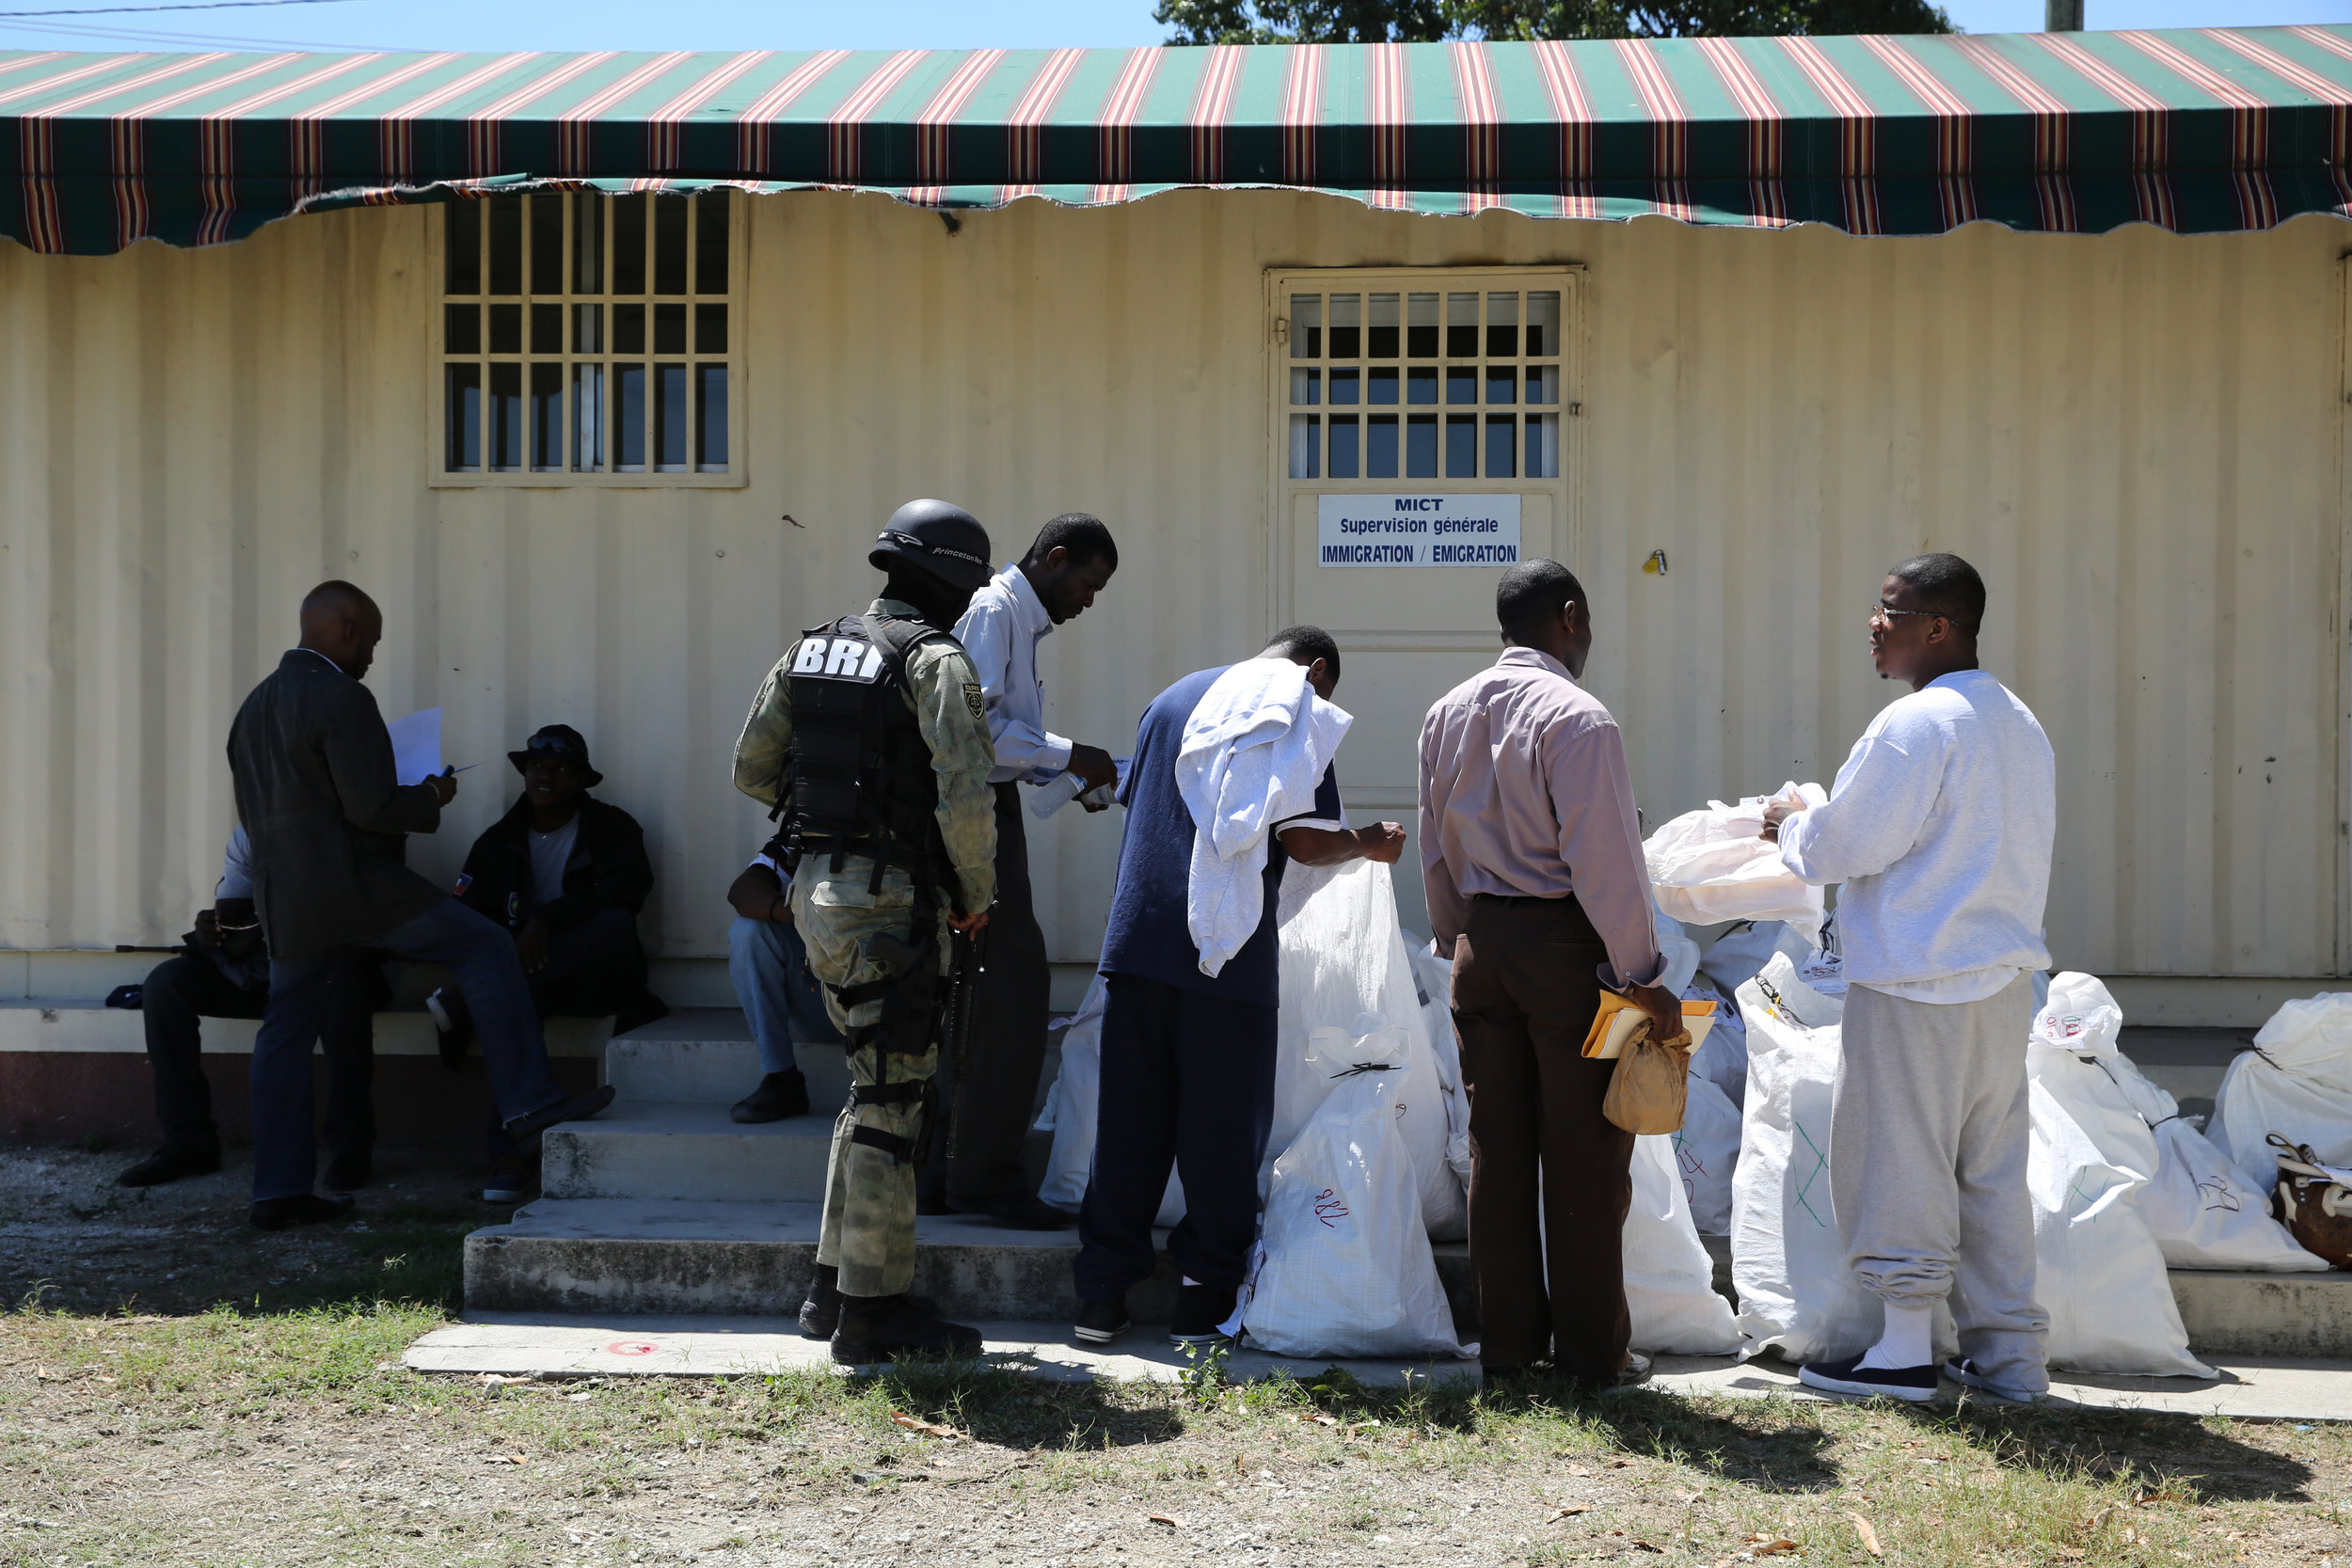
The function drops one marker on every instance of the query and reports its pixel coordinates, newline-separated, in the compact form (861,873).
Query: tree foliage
(1419,21)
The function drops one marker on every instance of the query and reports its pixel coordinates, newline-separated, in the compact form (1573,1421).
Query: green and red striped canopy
(2193,130)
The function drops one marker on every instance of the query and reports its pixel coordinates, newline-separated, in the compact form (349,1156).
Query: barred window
(1436,383)
(590,339)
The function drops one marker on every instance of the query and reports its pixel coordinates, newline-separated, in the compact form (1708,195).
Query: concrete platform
(636,1257)
(2249,1389)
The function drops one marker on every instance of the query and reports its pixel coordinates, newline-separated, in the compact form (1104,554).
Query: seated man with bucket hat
(566,875)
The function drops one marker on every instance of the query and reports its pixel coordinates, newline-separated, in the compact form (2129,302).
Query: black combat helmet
(939,537)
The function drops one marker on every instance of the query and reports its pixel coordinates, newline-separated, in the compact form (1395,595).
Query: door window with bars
(589,338)
(1440,384)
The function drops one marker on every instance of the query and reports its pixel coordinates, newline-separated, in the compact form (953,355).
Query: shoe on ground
(1101,1321)
(1022,1211)
(820,1313)
(579,1108)
(284,1214)
(1848,1375)
(452,1024)
(884,1328)
(348,1170)
(513,1179)
(168,1163)
(779,1095)
(1632,1374)
(1964,1372)
(1199,1310)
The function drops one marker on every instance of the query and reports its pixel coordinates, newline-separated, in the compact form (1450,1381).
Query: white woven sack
(1713,866)
(2098,1272)
(1435,975)
(2202,1213)
(1347,975)
(1669,1277)
(1740,954)
(1707,1154)
(1796,1294)
(1342,1267)
(1722,1057)
(1072,1104)
(2297,1081)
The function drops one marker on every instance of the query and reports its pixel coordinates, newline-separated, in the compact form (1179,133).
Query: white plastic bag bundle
(2297,1081)
(2098,1272)
(1711,865)
(1796,1294)
(1707,1154)
(1070,1104)
(2202,1213)
(1348,978)
(1669,1277)
(1342,1266)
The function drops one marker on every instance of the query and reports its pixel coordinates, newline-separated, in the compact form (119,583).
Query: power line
(182,6)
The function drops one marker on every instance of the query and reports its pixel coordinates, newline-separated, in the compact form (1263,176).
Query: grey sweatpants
(1930,1133)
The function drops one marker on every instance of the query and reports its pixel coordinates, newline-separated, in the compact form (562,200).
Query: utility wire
(182,6)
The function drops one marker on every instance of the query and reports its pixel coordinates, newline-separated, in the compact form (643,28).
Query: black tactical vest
(860,775)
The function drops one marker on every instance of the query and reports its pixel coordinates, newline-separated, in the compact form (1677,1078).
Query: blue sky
(873,24)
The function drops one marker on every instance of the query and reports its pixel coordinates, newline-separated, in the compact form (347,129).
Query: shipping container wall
(2136,435)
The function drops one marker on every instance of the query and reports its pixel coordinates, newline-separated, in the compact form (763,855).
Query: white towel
(1254,750)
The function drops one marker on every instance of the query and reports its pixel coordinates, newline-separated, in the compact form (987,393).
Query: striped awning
(2194,129)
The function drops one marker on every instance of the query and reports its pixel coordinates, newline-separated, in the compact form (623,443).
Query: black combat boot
(821,1314)
(881,1328)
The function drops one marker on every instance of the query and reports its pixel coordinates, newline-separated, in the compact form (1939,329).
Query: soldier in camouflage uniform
(882,783)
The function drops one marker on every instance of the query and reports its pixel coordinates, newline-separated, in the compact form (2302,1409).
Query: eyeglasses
(555,743)
(1885,613)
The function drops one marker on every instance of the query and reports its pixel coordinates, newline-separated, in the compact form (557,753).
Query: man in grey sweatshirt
(1940,828)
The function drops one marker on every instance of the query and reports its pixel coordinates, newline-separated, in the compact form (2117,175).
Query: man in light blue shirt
(990,1108)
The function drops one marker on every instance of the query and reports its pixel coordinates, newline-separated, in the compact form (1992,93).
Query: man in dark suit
(327,819)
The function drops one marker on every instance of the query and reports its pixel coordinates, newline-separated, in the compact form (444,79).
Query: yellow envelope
(1614,1022)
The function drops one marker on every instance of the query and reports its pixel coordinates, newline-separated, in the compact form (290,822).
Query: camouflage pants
(868,1231)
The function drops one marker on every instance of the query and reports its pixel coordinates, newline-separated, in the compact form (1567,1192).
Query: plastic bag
(1347,976)
(1711,865)
(1722,1057)
(1675,946)
(1796,1294)
(2098,1272)
(1343,1266)
(2202,1213)
(1669,1276)
(2297,1083)
(1435,975)
(1707,1152)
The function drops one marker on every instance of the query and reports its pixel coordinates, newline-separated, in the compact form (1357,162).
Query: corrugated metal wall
(2136,435)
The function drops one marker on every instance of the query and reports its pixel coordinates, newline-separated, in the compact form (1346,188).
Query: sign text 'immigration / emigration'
(1416,531)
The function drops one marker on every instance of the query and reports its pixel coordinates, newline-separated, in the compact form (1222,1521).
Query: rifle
(968,960)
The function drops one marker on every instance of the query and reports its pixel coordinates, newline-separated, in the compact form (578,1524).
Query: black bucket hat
(558,742)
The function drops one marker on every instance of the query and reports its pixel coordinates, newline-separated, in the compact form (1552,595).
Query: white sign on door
(1416,531)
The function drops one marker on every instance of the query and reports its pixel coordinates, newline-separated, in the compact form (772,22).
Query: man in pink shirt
(1532,855)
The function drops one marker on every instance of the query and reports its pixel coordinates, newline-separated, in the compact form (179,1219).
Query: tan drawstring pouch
(1651,1087)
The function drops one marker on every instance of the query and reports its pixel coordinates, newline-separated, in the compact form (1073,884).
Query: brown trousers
(1526,982)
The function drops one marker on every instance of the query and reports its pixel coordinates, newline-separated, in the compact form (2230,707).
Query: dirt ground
(186,1391)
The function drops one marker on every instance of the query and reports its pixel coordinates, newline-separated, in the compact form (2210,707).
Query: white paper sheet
(416,745)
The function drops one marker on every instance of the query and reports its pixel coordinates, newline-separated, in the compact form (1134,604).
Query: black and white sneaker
(1848,1375)
(1964,1372)
(1101,1321)
(1200,1310)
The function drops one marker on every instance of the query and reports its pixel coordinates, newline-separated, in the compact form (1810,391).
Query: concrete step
(685,1152)
(609,1256)
(606,1256)
(714,1072)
